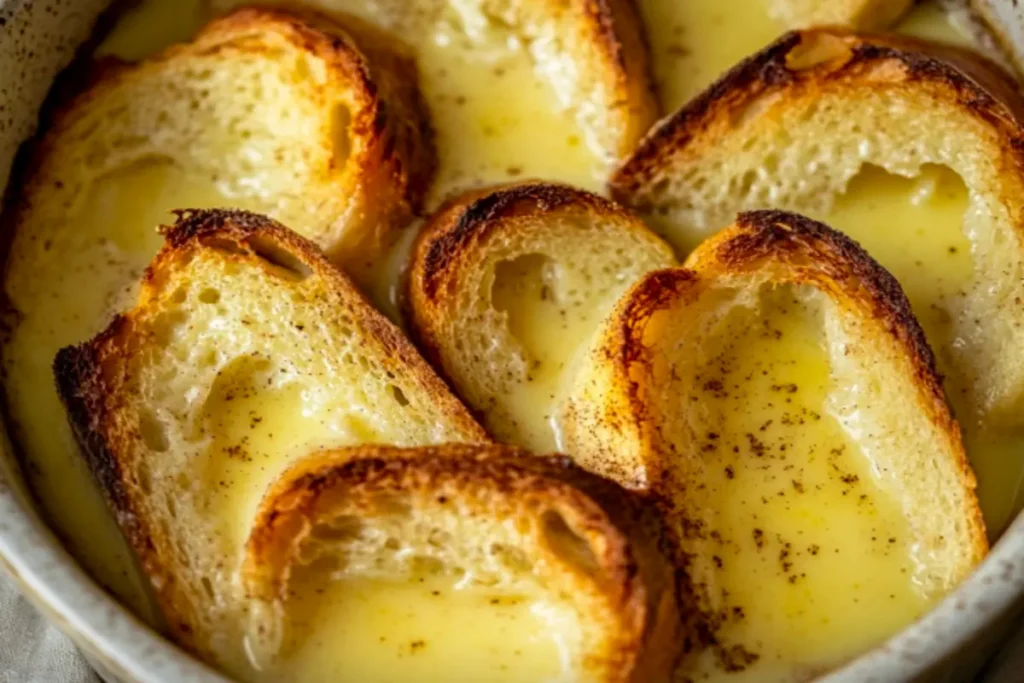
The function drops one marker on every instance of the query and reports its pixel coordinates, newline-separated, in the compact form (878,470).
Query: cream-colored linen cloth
(32,651)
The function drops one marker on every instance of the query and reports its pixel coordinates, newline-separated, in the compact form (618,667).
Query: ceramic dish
(39,38)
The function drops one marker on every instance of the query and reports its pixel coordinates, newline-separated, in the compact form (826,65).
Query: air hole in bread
(568,545)
(209,296)
(339,530)
(143,477)
(153,432)
(341,122)
(398,395)
(223,245)
(529,277)
(167,324)
(208,587)
(284,262)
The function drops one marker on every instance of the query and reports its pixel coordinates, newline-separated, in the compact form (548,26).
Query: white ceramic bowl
(37,39)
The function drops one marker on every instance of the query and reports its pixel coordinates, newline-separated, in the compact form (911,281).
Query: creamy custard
(807,558)
(914,227)
(87,274)
(533,292)
(426,629)
(696,41)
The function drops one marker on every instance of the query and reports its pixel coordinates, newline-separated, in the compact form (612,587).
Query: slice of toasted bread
(639,413)
(494,520)
(279,111)
(246,349)
(592,53)
(790,127)
(859,14)
(506,285)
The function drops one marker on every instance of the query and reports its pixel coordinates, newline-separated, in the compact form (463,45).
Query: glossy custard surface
(807,559)
(913,227)
(427,629)
(695,42)
(552,330)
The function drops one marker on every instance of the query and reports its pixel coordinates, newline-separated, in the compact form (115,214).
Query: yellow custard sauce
(84,276)
(426,629)
(913,227)
(806,559)
(532,292)
(696,41)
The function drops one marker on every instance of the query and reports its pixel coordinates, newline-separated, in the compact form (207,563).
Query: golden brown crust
(802,62)
(384,168)
(631,572)
(90,376)
(446,242)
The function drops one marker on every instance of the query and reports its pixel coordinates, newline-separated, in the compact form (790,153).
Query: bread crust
(90,376)
(632,576)
(383,171)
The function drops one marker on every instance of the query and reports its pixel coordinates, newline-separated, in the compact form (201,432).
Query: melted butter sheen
(426,630)
(809,559)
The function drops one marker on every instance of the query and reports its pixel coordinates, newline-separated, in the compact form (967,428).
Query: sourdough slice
(281,112)
(637,414)
(246,350)
(592,53)
(858,14)
(511,525)
(505,287)
(791,126)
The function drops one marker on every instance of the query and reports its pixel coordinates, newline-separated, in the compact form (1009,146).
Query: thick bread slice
(858,14)
(517,525)
(792,125)
(246,349)
(627,417)
(281,112)
(506,285)
(593,52)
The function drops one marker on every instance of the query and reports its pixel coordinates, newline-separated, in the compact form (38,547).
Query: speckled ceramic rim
(37,38)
